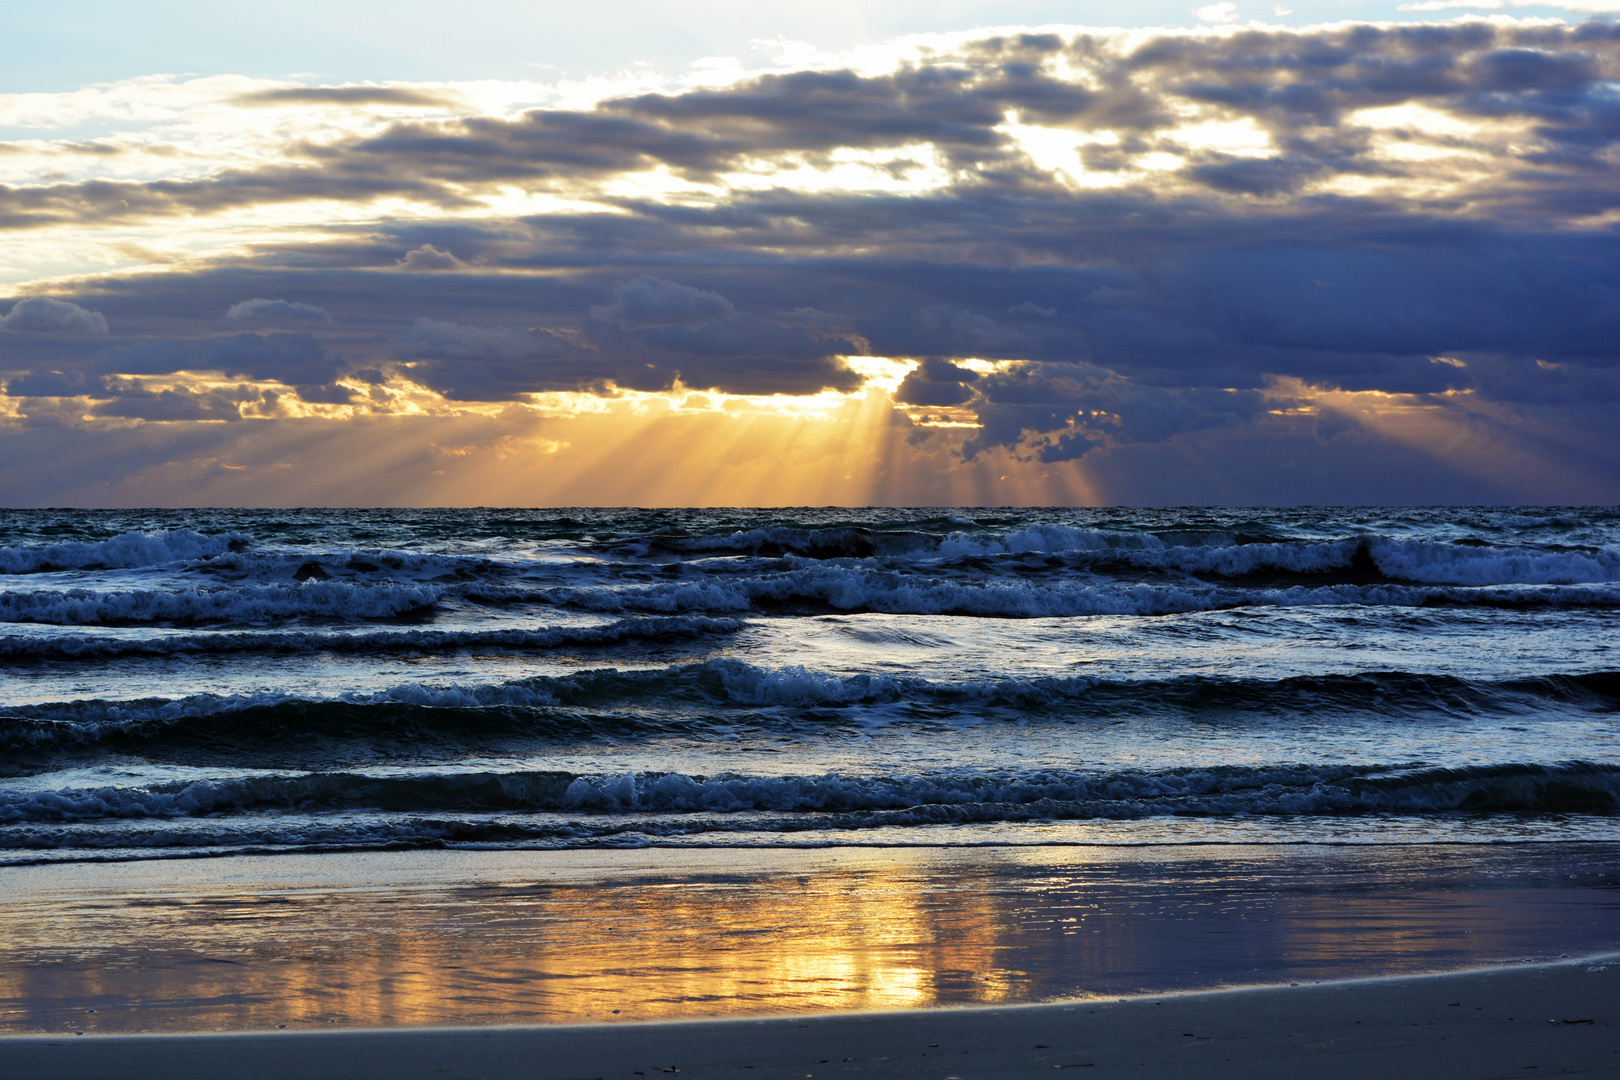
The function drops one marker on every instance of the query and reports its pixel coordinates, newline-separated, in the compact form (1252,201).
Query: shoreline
(1520,1020)
(485,940)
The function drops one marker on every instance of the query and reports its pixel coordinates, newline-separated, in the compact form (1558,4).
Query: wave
(857,800)
(125,551)
(1033,571)
(855,589)
(819,588)
(692,697)
(1200,552)
(239,604)
(407,640)
(236,555)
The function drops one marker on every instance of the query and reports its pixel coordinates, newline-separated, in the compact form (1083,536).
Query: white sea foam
(148,643)
(125,551)
(873,700)
(859,589)
(937,797)
(1248,717)
(241,604)
(1448,564)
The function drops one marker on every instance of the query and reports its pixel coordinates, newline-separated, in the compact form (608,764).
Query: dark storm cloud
(937,382)
(433,340)
(289,358)
(132,402)
(652,301)
(651,335)
(53,384)
(1085,407)
(43,315)
(277,311)
(954,331)
(490,363)
(1122,316)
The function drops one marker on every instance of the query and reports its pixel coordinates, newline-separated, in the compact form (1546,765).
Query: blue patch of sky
(64,44)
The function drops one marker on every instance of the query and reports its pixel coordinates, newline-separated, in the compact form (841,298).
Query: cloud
(1217,13)
(295,358)
(428,258)
(52,384)
(431,339)
(43,315)
(353,97)
(277,310)
(937,382)
(1147,233)
(485,363)
(947,330)
(178,404)
(1064,411)
(1594,7)
(651,301)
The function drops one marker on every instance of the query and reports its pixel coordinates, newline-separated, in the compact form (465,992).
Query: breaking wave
(125,551)
(693,696)
(847,801)
(406,640)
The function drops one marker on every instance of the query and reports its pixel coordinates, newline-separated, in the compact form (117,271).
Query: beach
(878,962)
(1525,1021)
(528,793)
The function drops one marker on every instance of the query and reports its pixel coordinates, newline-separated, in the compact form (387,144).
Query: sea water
(209,682)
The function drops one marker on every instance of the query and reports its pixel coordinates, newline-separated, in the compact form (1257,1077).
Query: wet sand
(909,962)
(477,939)
(1525,1021)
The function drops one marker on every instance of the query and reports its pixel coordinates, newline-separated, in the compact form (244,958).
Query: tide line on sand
(1525,1020)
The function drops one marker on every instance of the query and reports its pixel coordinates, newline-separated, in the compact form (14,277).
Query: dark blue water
(187,682)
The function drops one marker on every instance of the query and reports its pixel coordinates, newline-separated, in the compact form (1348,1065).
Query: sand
(894,963)
(473,939)
(1531,1020)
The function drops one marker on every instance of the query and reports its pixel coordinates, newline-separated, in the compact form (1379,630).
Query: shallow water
(465,938)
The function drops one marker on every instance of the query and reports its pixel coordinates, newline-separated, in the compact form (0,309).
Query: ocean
(261,682)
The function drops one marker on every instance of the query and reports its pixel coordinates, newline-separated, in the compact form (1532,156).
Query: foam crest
(844,588)
(408,640)
(125,551)
(240,604)
(837,800)
(663,698)
(1449,564)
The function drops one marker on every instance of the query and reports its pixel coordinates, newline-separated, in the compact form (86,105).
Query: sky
(955,253)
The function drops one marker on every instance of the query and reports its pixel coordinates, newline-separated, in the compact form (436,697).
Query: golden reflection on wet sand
(407,939)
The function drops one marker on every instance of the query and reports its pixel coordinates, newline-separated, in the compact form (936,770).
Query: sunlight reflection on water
(470,938)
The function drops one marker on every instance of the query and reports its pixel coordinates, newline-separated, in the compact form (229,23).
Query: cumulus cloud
(1144,233)
(295,358)
(937,382)
(1065,411)
(44,315)
(277,310)
(652,301)
(434,340)
(428,258)
(1217,13)
(52,384)
(471,362)
(176,404)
